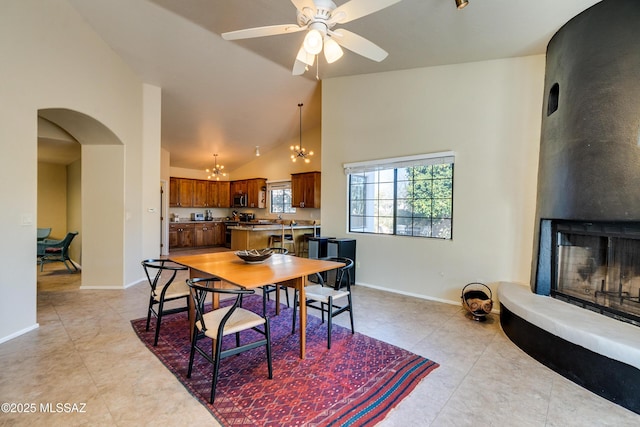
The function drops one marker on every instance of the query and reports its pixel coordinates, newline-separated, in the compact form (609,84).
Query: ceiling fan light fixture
(313,42)
(257,151)
(332,50)
(461,4)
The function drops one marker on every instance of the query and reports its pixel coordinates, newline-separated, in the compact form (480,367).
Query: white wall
(53,60)
(489,113)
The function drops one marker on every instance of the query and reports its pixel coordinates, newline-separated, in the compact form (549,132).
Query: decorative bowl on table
(254,256)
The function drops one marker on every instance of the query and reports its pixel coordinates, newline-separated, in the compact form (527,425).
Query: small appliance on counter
(176,217)
(197,217)
(208,216)
(247,217)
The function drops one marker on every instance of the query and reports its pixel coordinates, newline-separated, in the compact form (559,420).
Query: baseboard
(18,333)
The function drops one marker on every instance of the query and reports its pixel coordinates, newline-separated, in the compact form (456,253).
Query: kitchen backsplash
(301,214)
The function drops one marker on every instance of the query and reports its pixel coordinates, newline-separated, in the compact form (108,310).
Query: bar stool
(283,239)
(304,251)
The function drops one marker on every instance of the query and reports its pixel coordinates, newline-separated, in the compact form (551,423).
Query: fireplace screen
(600,271)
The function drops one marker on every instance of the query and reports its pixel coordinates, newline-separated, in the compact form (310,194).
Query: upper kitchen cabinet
(256,192)
(219,194)
(200,194)
(239,187)
(305,190)
(181,192)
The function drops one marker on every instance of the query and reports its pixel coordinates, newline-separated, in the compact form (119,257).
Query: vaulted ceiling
(227,97)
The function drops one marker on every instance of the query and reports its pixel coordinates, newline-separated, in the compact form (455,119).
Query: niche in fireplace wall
(589,165)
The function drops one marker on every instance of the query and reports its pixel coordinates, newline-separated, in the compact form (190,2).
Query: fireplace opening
(597,266)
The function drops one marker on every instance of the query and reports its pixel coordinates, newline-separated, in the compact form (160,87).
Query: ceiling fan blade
(355,9)
(359,44)
(301,4)
(299,68)
(271,30)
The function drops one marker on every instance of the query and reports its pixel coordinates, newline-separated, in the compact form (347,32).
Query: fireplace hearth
(596,265)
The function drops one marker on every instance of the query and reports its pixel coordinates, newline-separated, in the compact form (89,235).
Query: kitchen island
(256,235)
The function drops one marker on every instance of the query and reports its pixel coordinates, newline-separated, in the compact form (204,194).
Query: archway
(101,200)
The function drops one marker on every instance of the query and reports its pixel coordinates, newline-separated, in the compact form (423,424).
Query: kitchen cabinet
(254,187)
(239,187)
(219,238)
(305,190)
(181,235)
(204,234)
(218,194)
(200,198)
(198,193)
(181,192)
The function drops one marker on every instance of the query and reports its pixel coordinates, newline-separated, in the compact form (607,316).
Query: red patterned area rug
(355,383)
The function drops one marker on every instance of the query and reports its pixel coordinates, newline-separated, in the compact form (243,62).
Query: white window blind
(445,157)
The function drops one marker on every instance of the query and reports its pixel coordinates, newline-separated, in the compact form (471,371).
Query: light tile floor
(85,352)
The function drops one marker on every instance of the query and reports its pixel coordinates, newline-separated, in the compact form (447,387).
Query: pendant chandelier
(298,151)
(216,170)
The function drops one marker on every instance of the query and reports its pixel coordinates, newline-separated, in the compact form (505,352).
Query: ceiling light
(313,42)
(332,50)
(298,150)
(257,151)
(461,4)
(216,171)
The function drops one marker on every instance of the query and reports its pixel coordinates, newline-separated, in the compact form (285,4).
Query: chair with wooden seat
(161,275)
(56,251)
(284,238)
(325,296)
(268,289)
(218,323)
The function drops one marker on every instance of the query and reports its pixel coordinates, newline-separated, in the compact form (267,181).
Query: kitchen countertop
(188,221)
(254,226)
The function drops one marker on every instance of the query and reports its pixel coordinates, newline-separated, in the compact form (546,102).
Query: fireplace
(587,228)
(596,265)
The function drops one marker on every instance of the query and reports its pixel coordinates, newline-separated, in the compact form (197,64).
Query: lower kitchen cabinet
(181,235)
(193,235)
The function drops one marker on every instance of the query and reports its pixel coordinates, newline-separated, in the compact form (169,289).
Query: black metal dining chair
(223,321)
(324,296)
(269,289)
(161,274)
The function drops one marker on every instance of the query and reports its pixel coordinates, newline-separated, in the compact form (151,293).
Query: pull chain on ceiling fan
(319,17)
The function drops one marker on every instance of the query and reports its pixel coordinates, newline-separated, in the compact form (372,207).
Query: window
(280,197)
(407,196)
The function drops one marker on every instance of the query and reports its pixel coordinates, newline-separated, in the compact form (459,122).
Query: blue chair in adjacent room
(56,251)
(43,233)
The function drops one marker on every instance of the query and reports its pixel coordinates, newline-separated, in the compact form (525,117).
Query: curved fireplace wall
(588,177)
(589,166)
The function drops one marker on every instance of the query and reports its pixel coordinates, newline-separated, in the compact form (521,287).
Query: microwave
(239,200)
(197,217)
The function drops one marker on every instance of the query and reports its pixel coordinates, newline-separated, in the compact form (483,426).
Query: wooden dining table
(282,270)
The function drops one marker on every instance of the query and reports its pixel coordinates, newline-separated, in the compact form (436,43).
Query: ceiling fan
(319,17)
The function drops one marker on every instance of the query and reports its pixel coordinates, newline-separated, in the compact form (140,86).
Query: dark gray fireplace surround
(589,173)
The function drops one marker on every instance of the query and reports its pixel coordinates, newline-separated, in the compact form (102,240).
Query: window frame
(280,185)
(387,205)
